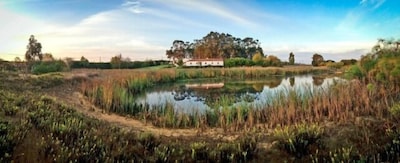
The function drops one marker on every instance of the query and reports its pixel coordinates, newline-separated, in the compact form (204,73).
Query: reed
(342,102)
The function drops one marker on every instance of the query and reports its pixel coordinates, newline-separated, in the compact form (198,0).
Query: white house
(214,62)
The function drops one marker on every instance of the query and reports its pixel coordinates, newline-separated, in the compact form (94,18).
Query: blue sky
(144,29)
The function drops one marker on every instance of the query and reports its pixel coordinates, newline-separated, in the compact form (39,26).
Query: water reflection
(198,95)
(291,81)
(318,80)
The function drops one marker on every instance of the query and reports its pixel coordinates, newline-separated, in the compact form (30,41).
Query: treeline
(119,65)
(41,67)
(318,60)
(215,45)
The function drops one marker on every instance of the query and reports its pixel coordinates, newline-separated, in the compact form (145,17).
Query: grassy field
(86,115)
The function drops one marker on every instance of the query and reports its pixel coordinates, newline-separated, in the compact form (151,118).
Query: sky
(145,29)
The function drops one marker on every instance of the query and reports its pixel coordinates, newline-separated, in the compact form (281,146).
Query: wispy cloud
(352,19)
(208,7)
(133,6)
(374,4)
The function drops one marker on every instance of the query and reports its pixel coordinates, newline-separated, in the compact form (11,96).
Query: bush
(347,62)
(272,60)
(354,72)
(236,62)
(50,66)
(367,63)
(336,65)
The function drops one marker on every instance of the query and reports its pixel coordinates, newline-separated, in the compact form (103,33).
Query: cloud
(15,31)
(208,7)
(374,4)
(334,50)
(106,34)
(354,16)
(133,6)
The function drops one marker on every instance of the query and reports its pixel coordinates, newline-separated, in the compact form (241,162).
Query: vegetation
(48,66)
(291,58)
(317,60)
(215,45)
(351,121)
(36,126)
(34,49)
(382,64)
(272,60)
(290,113)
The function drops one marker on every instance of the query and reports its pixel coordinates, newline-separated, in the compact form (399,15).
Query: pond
(199,95)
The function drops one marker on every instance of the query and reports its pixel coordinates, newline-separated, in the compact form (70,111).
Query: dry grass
(115,90)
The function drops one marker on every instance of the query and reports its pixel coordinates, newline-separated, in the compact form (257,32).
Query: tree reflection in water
(211,93)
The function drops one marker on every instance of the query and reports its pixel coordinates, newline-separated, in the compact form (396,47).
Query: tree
(84,62)
(258,58)
(272,60)
(83,59)
(116,61)
(215,45)
(177,51)
(34,49)
(291,58)
(317,59)
(47,57)
(17,59)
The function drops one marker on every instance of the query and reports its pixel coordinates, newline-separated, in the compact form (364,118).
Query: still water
(198,95)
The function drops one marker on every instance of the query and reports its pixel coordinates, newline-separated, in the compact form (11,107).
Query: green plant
(148,141)
(6,141)
(199,150)
(300,139)
(48,66)
(354,72)
(395,110)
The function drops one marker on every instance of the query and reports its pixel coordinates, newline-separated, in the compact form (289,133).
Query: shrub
(50,66)
(235,62)
(367,63)
(258,58)
(336,65)
(272,60)
(354,72)
(347,62)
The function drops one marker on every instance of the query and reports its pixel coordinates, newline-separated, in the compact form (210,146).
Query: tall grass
(342,102)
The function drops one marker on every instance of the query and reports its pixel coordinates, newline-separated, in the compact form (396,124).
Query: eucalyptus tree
(215,45)
(177,50)
(34,49)
(291,58)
